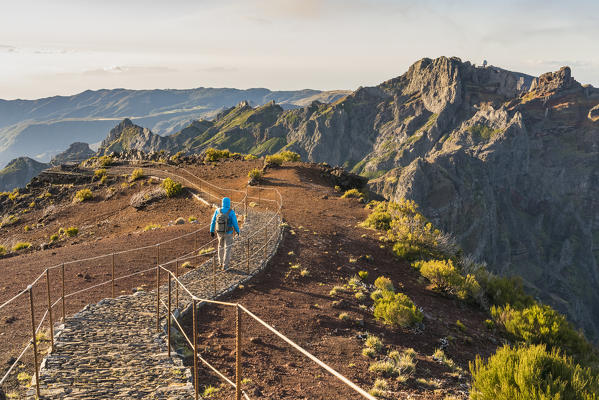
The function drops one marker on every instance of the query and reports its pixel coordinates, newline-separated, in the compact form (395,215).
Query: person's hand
(212,234)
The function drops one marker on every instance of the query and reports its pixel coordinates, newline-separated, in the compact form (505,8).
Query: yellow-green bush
(99,173)
(53,237)
(506,290)
(531,373)
(137,173)
(275,159)
(541,324)
(211,154)
(255,174)
(249,157)
(2,250)
(104,161)
(171,187)
(396,309)
(363,275)
(21,246)
(72,231)
(353,194)
(379,218)
(289,156)
(445,277)
(83,195)
(384,283)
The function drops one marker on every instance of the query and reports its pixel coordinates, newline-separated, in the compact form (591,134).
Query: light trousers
(225,246)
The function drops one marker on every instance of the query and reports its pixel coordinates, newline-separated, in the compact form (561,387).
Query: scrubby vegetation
(83,195)
(2,250)
(137,173)
(72,231)
(104,161)
(171,187)
(21,246)
(393,308)
(255,174)
(354,194)
(280,158)
(211,154)
(532,372)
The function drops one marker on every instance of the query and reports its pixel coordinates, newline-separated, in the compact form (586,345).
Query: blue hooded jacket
(226,205)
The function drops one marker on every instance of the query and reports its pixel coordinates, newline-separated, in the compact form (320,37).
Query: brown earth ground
(323,238)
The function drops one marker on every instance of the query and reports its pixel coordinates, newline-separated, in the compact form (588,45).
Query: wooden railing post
(177,285)
(63,306)
(50,309)
(195,350)
(113,275)
(237,353)
(168,316)
(157,298)
(37,377)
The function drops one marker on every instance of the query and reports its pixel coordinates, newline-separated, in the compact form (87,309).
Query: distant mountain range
(42,128)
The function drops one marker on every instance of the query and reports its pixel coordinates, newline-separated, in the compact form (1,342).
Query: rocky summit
(506,162)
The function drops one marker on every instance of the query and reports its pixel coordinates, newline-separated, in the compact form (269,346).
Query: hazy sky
(67,46)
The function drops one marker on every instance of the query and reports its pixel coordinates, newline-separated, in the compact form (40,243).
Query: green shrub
(249,157)
(175,157)
(344,316)
(212,154)
(171,187)
(53,238)
(83,195)
(26,228)
(541,324)
(255,174)
(460,325)
(137,173)
(363,275)
(384,367)
(506,290)
(368,352)
(360,296)
(99,173)
(275,159)
(210,392)
(105,161)
(374,342)
(72,231)
(21,246)
(379,218)
(187,264)
(445,277)
(192,219)
(289,156)
(9,220)
(353,194)
(531,373)
(2,250)
(384,283)
(396,309)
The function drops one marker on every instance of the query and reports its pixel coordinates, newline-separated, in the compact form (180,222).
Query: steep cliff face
(506,162)
(20,171)
(128,136)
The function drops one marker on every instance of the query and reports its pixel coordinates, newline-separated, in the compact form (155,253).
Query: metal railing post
(113,275)
(195,351)
(168,316)
(37,377)
(50,309)
(63,307)
(157,298)
(237,353)
(177,286)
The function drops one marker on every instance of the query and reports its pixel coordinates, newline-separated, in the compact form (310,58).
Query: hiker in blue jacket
(224,222)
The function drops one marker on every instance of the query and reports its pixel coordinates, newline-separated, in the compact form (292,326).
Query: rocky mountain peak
(552,82)
(77,151)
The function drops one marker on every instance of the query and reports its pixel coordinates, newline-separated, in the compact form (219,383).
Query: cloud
(218,69)
(127,69)
(7,48)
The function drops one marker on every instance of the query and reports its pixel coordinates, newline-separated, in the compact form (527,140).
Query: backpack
(222,221)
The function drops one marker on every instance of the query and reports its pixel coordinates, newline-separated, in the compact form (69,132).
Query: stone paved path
(110,350)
